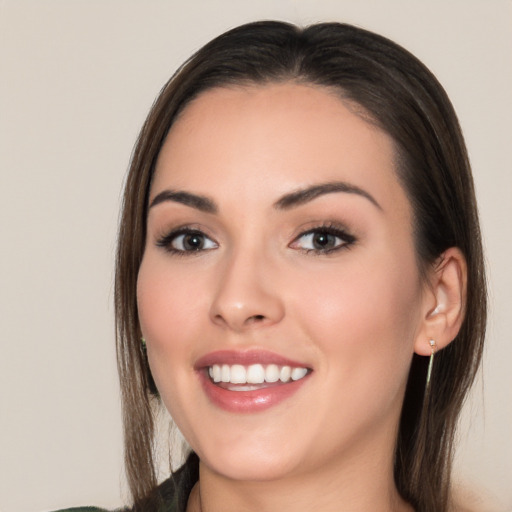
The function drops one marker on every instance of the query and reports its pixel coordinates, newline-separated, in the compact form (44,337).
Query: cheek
(171,308)
(364,316)
(167,298)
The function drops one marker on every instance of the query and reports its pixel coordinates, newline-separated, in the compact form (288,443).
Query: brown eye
(187,241)
(190,242)
(323,240)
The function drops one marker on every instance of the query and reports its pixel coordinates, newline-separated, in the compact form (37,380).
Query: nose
(245,297)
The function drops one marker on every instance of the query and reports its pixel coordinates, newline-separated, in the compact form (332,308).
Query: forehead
(282,135)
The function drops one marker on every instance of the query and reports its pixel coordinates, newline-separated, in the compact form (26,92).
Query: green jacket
(173,493)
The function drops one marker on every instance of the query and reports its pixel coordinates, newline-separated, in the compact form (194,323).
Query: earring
(143,343)
(430,363)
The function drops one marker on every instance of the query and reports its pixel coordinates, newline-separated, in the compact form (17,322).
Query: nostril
(256,318)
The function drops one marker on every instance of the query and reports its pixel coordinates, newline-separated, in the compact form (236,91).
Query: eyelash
(166,241)
(329,229)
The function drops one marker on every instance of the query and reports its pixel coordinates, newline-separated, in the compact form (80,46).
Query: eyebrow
(286,202)
(198,202)
(305,195)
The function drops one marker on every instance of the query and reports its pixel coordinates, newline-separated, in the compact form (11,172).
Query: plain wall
(77,78)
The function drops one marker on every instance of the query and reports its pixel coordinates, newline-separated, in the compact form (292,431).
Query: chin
(244,467)
(247,456)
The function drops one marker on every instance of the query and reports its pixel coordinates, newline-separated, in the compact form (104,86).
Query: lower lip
(249,401)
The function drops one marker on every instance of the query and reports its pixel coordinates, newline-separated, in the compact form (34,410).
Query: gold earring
(143,343)
(432,344)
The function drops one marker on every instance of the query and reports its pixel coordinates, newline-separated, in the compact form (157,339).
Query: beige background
(77,78)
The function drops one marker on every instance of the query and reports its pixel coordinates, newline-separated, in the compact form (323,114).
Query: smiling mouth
(237,377)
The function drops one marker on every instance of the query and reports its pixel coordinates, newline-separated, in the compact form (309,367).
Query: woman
(299,277)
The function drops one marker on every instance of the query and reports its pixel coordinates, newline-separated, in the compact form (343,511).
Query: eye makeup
(186,241)
(322,239)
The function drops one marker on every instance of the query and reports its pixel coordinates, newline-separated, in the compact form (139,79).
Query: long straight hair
(394,90)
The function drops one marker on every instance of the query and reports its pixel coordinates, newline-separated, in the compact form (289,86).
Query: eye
(323,240)
(186,240)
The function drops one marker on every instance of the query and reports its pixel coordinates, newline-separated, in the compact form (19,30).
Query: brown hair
(404,99)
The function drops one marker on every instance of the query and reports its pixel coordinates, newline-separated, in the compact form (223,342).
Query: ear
(444,302)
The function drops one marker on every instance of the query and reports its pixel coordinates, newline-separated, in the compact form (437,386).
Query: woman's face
(279,251)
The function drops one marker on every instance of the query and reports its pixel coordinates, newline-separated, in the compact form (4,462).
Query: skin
(354,316)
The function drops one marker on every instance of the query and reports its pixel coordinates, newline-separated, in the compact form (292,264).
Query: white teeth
(286,373)
(217,373)
(238,375)
(254,374)
(272,373)
(225,373)
(298,373)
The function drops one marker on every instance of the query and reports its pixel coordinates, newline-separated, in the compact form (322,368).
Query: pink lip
(247,401)
(245,358)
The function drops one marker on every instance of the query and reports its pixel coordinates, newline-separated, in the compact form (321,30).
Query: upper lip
(246,358)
